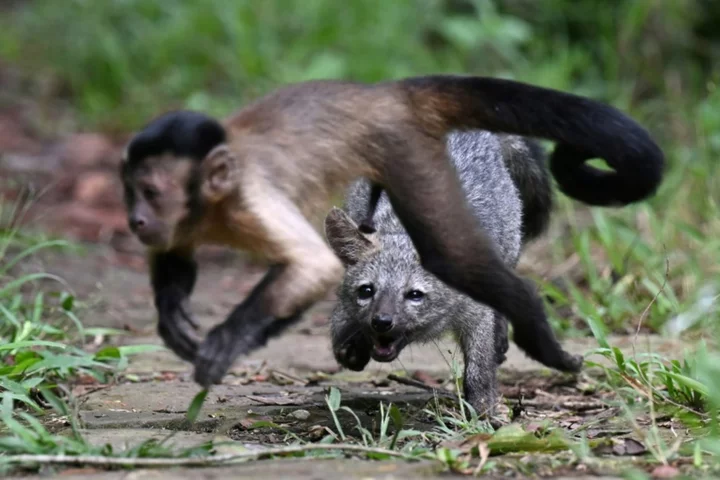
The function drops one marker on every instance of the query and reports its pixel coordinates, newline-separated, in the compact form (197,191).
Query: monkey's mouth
(150,239)
(387,349)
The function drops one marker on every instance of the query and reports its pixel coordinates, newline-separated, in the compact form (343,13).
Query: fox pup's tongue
(384,350)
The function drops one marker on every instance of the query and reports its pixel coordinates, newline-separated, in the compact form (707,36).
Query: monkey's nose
(382,323)
(137,222)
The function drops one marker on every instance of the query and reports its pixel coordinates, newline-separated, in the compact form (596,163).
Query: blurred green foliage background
(120,61)
(117,63)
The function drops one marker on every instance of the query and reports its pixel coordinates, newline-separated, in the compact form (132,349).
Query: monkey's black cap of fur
(182,133)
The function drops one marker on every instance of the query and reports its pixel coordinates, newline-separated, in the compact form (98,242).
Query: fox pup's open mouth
(386,349)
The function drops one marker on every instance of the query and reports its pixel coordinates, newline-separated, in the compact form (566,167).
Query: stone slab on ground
(163,405)
(123,438)
(292,469)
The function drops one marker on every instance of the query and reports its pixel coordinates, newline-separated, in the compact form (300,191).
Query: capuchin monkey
(252,181)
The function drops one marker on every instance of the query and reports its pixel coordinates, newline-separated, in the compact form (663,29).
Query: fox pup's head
(386,300)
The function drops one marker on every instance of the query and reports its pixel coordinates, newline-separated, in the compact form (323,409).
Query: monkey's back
(322,135)
(487,184)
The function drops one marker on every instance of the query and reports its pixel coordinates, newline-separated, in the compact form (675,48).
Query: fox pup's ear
(346,240)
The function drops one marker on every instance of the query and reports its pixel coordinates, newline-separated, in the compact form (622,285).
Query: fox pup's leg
(478,341)
(502,343)
(305,272)
(426,195)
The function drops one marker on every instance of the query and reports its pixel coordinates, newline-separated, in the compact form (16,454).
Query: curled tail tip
(639,168)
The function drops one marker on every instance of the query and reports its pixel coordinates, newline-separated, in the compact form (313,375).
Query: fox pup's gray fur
(387,300)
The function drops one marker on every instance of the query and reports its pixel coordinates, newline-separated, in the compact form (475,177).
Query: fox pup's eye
(365,291)
(414,295)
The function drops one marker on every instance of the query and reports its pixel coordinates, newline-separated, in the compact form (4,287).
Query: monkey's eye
(150,193)
(414,295)
(129,193)
(365,291)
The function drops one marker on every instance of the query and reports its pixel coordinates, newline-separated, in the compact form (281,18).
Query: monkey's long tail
(583,129)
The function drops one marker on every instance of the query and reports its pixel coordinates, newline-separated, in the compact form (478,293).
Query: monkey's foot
(570,363)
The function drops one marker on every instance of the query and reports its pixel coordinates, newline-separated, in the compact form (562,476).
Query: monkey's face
(157,197)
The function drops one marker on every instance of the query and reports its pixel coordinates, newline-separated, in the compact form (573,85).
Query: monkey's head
(172,171)
(386,299)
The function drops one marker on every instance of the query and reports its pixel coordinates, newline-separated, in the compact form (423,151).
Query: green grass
(43,348)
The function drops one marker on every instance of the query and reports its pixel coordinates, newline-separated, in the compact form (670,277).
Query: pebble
(300,414)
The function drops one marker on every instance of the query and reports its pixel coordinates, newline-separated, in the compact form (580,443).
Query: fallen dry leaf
(622,447)
(317,432)
(425,377)
(246,423)
(166,376)
(665,471)
(80,471)
(86,380)
(484,453)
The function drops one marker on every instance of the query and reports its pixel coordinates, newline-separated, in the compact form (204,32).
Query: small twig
(102,461)
(652,302)
(96,389)
(418,384)
(577,406)
(289,376)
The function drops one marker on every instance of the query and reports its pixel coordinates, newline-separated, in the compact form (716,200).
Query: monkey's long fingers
(216,355)
(188,317)
(241,334)
(178,335)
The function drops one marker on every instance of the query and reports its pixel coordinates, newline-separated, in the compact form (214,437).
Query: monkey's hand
(176,326)
(243,332)
(173,275)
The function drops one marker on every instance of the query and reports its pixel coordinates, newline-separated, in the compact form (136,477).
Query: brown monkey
(251,182)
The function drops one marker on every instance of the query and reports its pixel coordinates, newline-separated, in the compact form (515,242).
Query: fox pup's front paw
(354,353)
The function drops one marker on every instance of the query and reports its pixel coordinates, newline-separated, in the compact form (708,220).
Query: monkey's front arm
(172,276)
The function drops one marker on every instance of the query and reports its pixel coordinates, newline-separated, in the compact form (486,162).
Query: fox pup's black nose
(382,323)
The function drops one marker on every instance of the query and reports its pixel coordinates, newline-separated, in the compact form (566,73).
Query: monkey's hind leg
(307,271)
(426,195)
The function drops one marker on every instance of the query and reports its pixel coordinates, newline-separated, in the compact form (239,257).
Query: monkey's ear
(217,178)
(345,239)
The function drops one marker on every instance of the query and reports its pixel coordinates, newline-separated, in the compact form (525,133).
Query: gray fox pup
(387,300)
